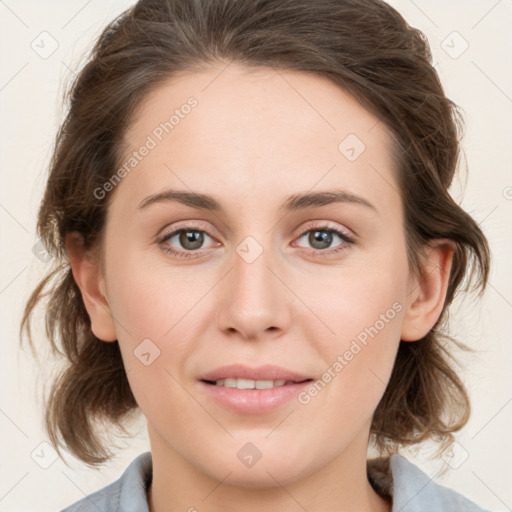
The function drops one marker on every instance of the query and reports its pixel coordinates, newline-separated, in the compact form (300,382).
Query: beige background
(479,79)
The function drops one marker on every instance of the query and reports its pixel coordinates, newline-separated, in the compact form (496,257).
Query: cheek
(367,327)
(361,301)
(364,309)
(358,360)
(147,299)
(157,309)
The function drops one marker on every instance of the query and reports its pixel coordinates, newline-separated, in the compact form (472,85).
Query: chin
(268,467)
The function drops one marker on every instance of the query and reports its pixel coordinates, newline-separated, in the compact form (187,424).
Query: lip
(265,372)
(254,401)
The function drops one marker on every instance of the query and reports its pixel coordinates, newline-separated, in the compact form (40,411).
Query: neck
(341,485)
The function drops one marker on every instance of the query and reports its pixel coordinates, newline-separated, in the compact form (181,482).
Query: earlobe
(88,276)
(427,295)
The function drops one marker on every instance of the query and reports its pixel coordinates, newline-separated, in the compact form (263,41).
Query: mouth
(248,390)
(242,383)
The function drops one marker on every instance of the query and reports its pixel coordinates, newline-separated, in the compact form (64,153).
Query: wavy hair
(363,46)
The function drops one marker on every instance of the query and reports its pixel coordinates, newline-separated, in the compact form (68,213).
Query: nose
(254,301)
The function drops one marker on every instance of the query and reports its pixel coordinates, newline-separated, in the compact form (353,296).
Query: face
(315,287)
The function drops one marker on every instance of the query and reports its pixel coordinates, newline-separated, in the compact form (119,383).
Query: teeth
(249,383)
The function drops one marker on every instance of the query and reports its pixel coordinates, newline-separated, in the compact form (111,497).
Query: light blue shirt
(412,491)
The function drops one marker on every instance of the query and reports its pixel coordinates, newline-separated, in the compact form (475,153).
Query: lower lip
(254,401)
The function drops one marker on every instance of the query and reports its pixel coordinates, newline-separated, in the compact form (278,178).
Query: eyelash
(321,227)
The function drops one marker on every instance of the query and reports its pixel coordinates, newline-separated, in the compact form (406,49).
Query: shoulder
(126,493)
(414,491)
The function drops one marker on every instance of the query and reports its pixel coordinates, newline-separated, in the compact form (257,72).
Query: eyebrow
(294,202)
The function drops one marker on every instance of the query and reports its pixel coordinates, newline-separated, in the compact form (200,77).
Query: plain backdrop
(41,47)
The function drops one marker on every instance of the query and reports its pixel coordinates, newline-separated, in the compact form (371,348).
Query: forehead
(256,131)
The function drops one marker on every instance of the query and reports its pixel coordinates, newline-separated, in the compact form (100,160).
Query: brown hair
(366,48)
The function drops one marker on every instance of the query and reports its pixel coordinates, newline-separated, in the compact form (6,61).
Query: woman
(249,200)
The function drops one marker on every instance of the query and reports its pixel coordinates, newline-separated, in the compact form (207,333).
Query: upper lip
(266,372)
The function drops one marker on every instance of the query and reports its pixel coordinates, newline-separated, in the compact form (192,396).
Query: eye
(190,238)
(321,238)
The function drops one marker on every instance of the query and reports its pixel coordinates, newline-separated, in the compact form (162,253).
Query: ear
(426,296)
(88,276)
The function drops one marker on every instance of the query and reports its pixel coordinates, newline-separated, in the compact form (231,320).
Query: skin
(256,137)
